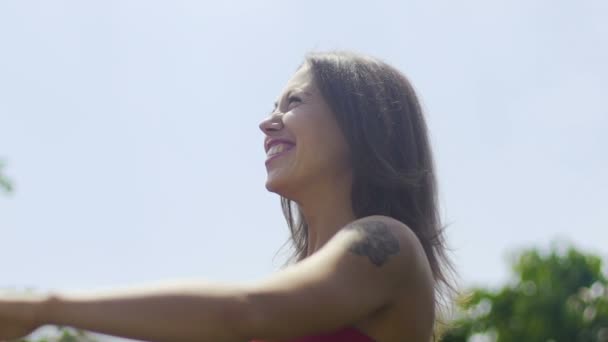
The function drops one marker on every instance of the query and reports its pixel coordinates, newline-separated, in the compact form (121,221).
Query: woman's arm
(359,271)
(190,310)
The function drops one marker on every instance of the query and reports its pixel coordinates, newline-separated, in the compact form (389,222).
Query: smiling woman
(361,150)
(349,156)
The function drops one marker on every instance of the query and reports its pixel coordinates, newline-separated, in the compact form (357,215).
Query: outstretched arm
(179,311)
(360,270)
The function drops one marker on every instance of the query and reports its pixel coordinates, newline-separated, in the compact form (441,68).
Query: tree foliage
(560,295)
(5,184)
(64,334)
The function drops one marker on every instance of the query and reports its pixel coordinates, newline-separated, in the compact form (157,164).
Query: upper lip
(268,142)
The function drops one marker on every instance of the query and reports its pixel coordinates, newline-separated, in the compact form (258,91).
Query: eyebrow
(276,104)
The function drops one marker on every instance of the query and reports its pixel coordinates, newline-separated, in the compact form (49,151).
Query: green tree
(64,334)
(559,295)
(5,184)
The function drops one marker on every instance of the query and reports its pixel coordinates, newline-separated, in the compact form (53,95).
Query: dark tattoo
(377,241)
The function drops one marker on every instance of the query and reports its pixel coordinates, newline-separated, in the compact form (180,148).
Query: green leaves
(5,184)
(557,295)
(64,334)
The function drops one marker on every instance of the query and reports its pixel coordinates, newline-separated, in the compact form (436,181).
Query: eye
(292,99)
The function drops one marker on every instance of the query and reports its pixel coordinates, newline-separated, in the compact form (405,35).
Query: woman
(348,153)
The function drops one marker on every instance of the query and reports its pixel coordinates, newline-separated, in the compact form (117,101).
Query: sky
(130,129)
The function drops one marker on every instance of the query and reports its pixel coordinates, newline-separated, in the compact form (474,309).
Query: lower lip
(275,156)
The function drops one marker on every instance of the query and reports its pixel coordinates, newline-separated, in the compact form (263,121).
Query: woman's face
(313,151)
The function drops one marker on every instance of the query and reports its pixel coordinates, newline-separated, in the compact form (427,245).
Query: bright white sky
(131,129)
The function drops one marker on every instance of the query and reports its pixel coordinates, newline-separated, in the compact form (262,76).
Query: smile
(279,151)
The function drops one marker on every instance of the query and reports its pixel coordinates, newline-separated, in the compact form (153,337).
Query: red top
(348,334)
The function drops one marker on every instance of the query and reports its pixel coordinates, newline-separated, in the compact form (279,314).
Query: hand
(19,315)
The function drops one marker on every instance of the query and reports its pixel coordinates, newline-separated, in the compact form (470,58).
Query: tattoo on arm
(377,242)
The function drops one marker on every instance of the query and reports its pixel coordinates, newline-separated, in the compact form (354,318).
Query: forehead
(300,80)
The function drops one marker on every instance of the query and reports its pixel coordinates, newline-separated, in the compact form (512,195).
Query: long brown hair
(380,116)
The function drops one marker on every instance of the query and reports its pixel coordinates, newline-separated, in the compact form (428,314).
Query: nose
(271,124)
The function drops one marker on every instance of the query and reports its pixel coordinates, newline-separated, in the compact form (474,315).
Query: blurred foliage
(557,296)
(64,335)
(5,184)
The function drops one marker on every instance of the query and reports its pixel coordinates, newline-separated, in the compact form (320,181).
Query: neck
(326,209)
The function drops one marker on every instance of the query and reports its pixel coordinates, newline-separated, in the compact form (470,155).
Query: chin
(272,186)
(278,186)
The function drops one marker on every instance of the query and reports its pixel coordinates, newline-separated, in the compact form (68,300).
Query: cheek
(322,152)
(319,140)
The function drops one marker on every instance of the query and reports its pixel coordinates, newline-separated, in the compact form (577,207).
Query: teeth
(278,148)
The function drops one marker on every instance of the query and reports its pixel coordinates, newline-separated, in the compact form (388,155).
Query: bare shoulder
(362,270)
(380,237)
(410,314)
